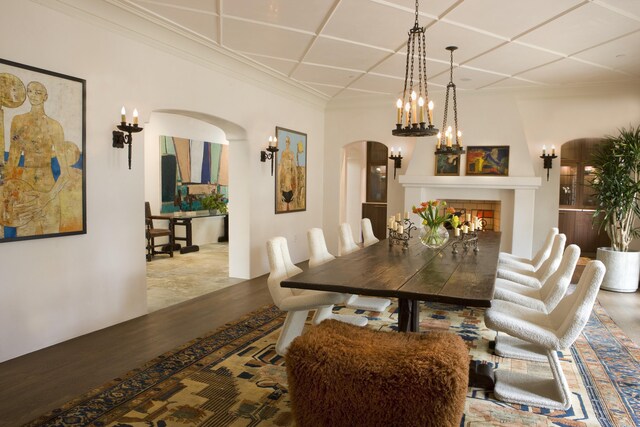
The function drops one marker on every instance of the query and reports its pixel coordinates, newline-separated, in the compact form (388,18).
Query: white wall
(58,288)
(524,120)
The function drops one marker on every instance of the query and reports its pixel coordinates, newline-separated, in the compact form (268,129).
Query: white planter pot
(623,270)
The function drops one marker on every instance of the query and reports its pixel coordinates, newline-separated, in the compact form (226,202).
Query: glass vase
(434,237)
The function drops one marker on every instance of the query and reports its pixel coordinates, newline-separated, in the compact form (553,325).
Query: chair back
(368,238)
(318,252)
(556,285)
(572,313)
(550,265)
(545,250)
(280,268)
(147,215)
(347,244)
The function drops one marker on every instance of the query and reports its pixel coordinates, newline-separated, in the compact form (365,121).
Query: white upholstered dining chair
(296,302)
(534,335)
(549,295)
(530,264)
(368,238)
(345,236)
(535,279)
(319,254)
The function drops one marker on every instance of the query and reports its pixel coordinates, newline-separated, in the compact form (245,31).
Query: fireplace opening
(487,210)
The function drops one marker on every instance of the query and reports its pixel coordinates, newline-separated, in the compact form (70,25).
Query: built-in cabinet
(577,204)
(375,207)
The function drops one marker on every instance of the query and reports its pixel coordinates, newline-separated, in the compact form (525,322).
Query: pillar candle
(399,105)
(544,150)
(465,228)
(123,115)
(456,232)
(468,217)
(398,216)
(406,214)
(400,229)
(473,227)
(407,108)
(414,115)
(421,105)
(439,138)
(135,116)
(430,111)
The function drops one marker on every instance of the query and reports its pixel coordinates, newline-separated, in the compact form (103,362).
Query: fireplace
(514,199)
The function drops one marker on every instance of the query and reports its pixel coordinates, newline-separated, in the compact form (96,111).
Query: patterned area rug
(233,377)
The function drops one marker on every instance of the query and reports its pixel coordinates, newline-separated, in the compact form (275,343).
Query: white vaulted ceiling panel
(201,22)
(324,75)
(371,23)
(571,72)
(470,43)
(465,78)
(284,66)
(346,55)
(585,27)
(621,54)
(512,58)
(265,40)
(304,15)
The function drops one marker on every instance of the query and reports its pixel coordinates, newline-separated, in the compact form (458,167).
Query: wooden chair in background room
(152,233)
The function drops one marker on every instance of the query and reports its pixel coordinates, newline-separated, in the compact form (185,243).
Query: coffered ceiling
(342,48)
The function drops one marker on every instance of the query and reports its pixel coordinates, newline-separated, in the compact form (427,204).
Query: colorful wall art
(42,167)
(291,171)
(488,160)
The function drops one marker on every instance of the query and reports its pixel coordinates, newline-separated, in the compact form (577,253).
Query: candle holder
(120,139)
(548,161)
(403,238)
(471,237)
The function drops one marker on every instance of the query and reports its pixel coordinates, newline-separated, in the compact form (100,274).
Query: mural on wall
(291,171)
(489,160)
(191,170)
(42,167)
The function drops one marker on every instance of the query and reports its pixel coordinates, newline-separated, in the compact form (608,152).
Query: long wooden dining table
(412,275)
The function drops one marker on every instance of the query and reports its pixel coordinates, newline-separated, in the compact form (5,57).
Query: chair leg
(526,389)
(292,328)
(324,313)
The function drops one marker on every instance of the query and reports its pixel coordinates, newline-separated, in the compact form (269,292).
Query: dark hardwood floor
(38,382)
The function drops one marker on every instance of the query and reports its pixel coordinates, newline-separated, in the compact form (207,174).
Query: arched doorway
(363,193)
(577,205)
(203,127)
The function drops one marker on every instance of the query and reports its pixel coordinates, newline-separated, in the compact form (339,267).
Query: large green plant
(616,183)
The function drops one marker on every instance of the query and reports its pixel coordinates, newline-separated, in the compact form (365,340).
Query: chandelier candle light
(400,230)
(447,146)
(410,108)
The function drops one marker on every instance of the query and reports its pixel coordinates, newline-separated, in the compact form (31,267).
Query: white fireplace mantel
(516,193)
(485,182)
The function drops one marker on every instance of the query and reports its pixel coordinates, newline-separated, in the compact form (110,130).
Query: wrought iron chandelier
(446,146)
(410,108)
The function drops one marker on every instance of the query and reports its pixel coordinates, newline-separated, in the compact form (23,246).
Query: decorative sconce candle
(548,158)
(272,150)
(119,137)
(397,160)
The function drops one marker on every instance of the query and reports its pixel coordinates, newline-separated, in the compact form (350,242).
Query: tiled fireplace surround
(515,194)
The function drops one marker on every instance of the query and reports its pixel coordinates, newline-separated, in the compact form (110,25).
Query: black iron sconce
(548,158)
(397,160)
(120,138)
(272,150)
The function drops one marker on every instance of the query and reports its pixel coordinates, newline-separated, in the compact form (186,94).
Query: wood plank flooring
(41,381)
(38,382)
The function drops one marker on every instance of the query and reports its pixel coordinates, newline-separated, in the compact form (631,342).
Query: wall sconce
(119,138)
(272,149)
(548,158)
(397,160)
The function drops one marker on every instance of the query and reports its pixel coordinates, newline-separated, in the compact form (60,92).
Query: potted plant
(616,184)
(215,203)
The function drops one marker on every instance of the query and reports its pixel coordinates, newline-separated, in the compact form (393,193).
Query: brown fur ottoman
(344,375)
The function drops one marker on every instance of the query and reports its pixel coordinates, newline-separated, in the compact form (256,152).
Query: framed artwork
(43,164)
(488,160)
(190,170)
(447,164)
(291,171)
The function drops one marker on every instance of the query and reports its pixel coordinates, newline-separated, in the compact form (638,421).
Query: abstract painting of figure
(42,184)
(447,164)
(489,160)
(291,171)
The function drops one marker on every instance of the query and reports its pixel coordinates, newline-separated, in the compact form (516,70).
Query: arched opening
(195,126)
(363,189)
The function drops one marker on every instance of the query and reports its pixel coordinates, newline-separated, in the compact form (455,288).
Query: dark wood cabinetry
(375,207)
(576,197)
